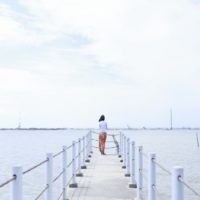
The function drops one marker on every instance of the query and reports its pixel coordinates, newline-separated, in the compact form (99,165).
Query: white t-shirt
(102,126)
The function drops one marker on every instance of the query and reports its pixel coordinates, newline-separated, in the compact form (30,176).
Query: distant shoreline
(128,129)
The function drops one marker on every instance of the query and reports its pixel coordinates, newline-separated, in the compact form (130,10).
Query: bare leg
(99,143)
(103,143)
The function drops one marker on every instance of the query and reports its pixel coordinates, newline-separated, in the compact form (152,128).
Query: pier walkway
(103,179)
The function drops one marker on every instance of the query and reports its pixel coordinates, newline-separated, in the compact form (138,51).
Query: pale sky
(64,63)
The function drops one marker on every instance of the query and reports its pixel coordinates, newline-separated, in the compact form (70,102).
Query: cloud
(141,56)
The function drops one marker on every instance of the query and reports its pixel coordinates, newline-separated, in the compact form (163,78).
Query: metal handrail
(8,181)
(41,193)
(34,167)
(145,155)
(57,154)
(57,177)
(188,186)
(105,147)
(69,181)
(161,167)
(61,194)
(98,140)
(157,192)
(95,132)
(69,164)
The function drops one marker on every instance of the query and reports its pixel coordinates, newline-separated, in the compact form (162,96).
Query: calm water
(172,148)
(26,148)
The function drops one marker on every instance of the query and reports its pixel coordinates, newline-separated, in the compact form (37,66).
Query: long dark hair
(102,118)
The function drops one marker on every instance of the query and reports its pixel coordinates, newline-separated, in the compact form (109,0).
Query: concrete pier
(103,180)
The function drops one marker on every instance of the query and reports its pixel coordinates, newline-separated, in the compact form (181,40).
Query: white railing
(80,150)
(137,175)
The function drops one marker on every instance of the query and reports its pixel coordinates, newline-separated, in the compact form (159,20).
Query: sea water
(172,148)
(27,148)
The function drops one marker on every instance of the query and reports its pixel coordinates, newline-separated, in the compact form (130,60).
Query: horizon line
(112,128)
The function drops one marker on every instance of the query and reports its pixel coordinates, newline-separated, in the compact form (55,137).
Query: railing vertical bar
(177,186)
(91,151)
(122,147)
(83,157)
(73,184)
(64,178)
(128,158)
(133,182)
(87,148)
(49,193)
(139,167)
(124,153)
(79,155)
(79,158)
(152,177)
(17,184)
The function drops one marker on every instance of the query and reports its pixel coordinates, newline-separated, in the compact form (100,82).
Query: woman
(102,134)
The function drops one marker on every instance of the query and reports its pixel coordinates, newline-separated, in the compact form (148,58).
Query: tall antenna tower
(171,123)
(19,122)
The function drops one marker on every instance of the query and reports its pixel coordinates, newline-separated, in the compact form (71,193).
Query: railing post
(128,158)
(79,159)
(87,148)
(177,185)
(83,160)
(91,142)
(152,177)
(64,178)
(49,193)
(73,184)
(124,159)
(133,183)
(121,144)
(17,184)
(139,168)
